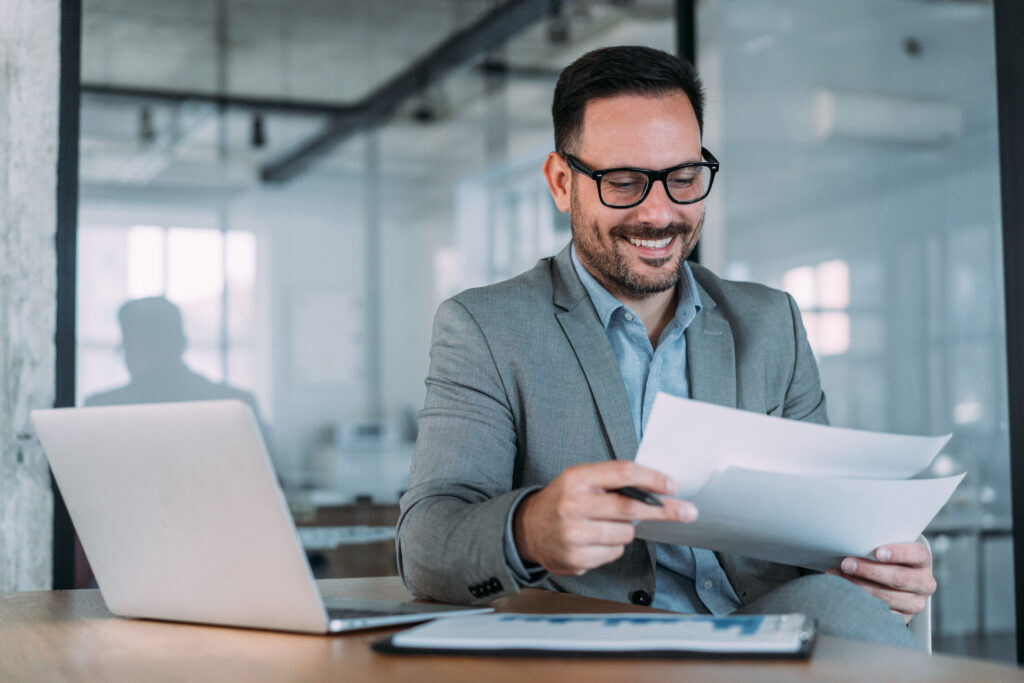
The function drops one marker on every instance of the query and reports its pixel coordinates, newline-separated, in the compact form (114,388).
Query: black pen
(639,494)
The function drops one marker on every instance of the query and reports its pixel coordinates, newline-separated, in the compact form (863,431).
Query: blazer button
(640,597)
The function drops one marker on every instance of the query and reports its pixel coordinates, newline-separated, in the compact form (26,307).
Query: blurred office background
(306,180)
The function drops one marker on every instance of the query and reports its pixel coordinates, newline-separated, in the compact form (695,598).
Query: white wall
(312,251)
(315,235)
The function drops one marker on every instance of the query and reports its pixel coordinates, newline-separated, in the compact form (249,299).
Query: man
(540,387)
(153,344)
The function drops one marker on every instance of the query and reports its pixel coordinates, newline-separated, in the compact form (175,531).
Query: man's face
(639,251)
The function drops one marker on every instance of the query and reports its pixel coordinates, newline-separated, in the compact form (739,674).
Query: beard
(607,257)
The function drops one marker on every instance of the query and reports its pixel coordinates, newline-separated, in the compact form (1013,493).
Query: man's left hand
(901,575)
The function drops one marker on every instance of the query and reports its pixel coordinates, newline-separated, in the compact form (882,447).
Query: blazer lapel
(581,325)
(711,355)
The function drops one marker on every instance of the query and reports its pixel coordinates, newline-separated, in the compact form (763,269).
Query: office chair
(921,625)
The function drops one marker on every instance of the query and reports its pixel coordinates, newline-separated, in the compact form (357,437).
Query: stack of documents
(789,491)
(780,635)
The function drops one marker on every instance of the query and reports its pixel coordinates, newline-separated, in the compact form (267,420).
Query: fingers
(577,522)
(909,554)
(902,602)
(613,506)
(592,484)
(616,473)
(586,532)
(585,544)
(912,579)
(901,576)
(579,560)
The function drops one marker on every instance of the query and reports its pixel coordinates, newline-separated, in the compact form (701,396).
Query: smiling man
(540,387)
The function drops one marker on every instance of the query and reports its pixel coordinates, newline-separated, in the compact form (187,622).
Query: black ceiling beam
(686,30)
(686,47)
(497,67)
(289,106)
(483,35)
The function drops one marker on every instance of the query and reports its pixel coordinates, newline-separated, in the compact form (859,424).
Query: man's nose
(657,207)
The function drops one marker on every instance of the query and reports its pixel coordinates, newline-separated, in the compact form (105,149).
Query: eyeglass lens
(687,184)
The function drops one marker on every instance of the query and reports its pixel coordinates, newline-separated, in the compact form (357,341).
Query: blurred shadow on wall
(153,344)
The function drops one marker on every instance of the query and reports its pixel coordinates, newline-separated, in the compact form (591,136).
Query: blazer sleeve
(450,536)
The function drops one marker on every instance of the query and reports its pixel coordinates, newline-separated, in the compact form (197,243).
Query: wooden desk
(70,636)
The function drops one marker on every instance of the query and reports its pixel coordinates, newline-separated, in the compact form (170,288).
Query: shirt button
(629,317)
(709,584)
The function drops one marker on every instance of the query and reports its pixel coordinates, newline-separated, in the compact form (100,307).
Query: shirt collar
(689,300)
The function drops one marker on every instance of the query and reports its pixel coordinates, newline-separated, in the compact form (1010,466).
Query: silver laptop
(182,518)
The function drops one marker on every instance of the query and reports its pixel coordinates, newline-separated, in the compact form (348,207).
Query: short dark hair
(624,70)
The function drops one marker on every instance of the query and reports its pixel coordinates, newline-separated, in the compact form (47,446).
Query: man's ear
(559,177)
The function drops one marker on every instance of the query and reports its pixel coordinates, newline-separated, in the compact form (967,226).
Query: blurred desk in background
(347,540)
(950,536)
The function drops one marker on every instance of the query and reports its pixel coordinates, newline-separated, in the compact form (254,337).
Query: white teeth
(651,244)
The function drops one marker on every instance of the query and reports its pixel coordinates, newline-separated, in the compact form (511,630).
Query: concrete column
(29,94)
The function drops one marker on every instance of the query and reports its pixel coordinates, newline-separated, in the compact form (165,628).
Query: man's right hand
(576,522)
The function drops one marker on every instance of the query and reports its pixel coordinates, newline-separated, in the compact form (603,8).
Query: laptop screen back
(180,514)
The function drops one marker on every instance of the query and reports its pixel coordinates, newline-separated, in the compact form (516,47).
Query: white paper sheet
(787,491)
(690,441)
(811,522)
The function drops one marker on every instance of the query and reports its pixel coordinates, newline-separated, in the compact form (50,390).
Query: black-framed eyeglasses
(623,188)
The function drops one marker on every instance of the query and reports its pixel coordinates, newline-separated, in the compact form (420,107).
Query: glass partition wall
(246,230)
(860,157)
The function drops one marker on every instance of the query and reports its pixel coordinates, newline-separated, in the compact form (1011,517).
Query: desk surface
(70,636)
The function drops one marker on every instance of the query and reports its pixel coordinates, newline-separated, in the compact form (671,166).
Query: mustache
(646,231)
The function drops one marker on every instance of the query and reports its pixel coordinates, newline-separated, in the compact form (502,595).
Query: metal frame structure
(686,47)
(1009,42)
(483,35)
(66,246)
(221,101)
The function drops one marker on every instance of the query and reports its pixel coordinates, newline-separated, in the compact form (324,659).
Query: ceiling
(759,59)
(326,53)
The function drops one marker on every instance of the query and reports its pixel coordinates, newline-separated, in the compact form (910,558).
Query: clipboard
(628,634)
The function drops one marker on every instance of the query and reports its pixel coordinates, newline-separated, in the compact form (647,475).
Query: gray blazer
(523,383)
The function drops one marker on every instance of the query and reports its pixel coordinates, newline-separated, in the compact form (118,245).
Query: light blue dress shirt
(688,579)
